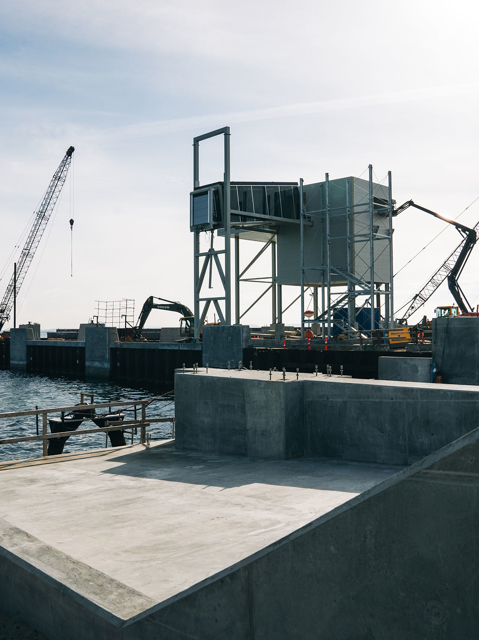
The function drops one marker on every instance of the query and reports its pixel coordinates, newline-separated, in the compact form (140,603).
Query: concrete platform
(379,421)
(96,542)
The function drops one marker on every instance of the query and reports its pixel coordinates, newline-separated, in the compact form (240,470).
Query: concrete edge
(79,455)
(71,570)
(404,474)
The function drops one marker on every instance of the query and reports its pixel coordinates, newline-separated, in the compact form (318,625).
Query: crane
(42,216)
(450,269)
(166,305)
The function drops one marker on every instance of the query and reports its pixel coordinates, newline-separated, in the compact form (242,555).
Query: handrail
(78,407)
(112,425)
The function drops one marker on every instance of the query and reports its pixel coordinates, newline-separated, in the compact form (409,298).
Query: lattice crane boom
(42,216)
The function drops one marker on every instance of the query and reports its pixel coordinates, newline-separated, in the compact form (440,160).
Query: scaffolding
(115,313)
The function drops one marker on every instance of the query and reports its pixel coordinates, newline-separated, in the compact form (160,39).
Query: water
(23,391)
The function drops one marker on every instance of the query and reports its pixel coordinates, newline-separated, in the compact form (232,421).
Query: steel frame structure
(204,260)
(366,287)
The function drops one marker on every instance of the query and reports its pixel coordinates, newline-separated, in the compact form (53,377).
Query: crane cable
(431,241)
(72,209)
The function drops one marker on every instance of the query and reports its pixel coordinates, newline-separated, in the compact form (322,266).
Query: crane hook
(72,222)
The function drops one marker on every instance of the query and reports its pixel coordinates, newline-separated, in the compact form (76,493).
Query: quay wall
(100,354)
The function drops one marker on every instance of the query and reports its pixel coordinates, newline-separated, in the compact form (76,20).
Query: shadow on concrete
(165,464)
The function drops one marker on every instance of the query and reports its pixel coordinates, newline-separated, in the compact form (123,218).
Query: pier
(275,513)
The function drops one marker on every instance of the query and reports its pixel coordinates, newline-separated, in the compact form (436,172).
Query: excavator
(186,322)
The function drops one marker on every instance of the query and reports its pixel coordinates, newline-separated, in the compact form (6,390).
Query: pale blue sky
(306,87)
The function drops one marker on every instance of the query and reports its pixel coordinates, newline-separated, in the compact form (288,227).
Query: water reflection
(23,392)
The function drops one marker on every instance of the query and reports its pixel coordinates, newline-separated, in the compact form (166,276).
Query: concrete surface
(223,344)
(397,562)
(18,347)
(97,349)
(455,349)
(405,369)
(92,543)
(239,413)
(11,630)
(392,422)
(36,329)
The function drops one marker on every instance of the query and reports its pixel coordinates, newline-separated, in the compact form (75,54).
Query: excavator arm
(470,239)
(165,305)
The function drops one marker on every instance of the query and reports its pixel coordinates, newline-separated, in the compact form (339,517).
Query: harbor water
(24,392)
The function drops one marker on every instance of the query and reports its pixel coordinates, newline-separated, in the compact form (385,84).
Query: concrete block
(81,331)
(385,422)
(18,347)
(223,344)
(36,329)
(406,369)
(238,414)
(97,349)
(455,349)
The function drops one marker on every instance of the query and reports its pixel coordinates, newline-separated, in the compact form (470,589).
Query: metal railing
(137,406)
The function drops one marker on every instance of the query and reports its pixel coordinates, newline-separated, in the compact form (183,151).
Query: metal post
(237,280)
(44,432)
(391,273)
(315,302)
(197,319)
(301,252)
(143,420)
(15,295)
(371,245)
(274,296)
(227,221)
(280,304)
(349,250)
(328,257)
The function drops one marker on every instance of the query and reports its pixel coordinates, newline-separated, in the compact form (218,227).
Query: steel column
(371,245)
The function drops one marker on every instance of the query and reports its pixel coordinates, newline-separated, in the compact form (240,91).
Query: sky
(307,88)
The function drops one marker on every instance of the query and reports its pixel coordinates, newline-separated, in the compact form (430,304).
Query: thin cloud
(162,127)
